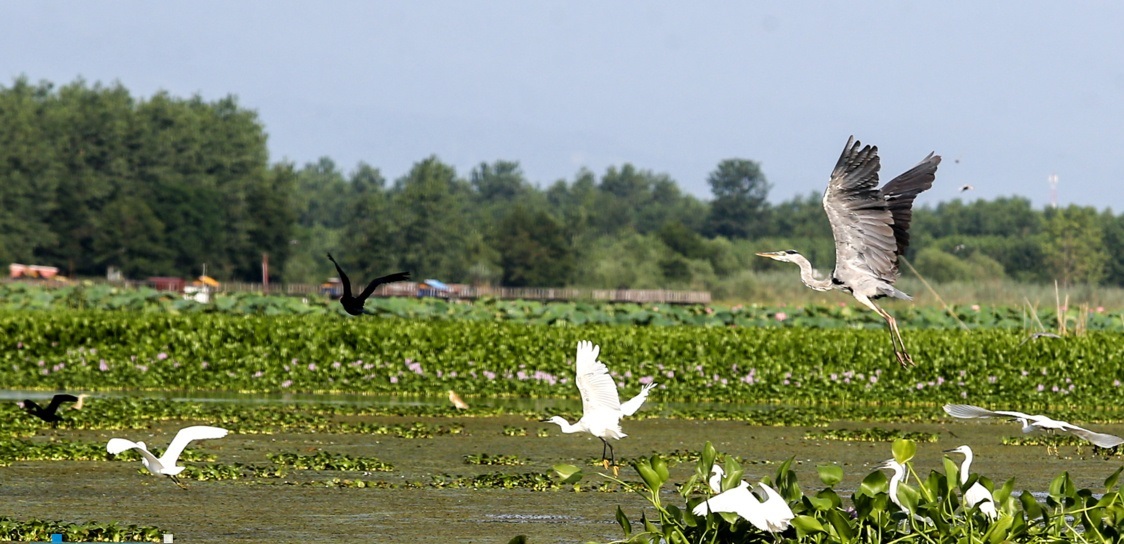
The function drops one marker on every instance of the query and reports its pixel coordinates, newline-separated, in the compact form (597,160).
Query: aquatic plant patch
(41,530)
(793,366)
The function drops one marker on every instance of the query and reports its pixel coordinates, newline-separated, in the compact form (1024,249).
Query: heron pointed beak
(771,254)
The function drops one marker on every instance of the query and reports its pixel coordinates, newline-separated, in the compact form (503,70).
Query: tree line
(92,177)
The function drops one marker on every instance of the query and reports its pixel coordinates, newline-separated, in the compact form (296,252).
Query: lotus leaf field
(793,381)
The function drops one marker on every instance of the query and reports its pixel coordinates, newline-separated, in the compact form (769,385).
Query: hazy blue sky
(1013,90)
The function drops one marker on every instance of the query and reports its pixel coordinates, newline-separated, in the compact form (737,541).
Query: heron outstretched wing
(598,390)
(187,434)
(860,219)
(900,193)
(871,225)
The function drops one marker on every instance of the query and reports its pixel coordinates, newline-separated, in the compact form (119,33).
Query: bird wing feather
(59,399)
(1102,440)
(187,434)
(860,220)
(597,388)
(900,193)
(871,226)
(732,500)
(969,411)
(118,445)
(343,277)
(389,278)
(633,404)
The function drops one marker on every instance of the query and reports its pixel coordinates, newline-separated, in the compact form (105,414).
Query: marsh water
(291,510)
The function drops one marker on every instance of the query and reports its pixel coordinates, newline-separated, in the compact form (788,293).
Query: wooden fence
(469,292)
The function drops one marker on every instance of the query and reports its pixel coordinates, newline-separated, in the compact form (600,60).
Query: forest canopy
(92,177)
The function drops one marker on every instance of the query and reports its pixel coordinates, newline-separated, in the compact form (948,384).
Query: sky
(1007,92)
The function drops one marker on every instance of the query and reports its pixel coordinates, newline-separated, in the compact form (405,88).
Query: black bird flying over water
(50,413)
(354,304)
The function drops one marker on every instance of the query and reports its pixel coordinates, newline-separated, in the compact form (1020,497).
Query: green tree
(533,249)
(429,227)
(29,173)
(1074,246)
(740,189)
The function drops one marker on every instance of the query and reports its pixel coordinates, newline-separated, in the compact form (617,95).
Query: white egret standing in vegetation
(772,516)
(1034,422)
(895,481)
(601,407)
(871,229)
(166,464)
(977,495)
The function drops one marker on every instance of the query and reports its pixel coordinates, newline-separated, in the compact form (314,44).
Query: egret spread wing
(860,219)
(732,500)
(1099,439)
(187,434)
(777,512)
(118,445)
(633,404)
(969,411)
(598,390)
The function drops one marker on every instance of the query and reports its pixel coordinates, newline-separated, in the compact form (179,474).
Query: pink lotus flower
(781,316)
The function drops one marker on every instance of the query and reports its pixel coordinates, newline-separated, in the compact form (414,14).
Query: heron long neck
(808,277)
(965,466)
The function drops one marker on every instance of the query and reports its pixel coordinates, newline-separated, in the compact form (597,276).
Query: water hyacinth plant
(933,508)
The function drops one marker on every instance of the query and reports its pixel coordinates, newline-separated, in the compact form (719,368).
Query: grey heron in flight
(871,229)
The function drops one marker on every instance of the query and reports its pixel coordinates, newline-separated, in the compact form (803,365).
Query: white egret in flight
(977,495)
(772,516)
(1034,422)
(601,407)
(871,229)
(166,464)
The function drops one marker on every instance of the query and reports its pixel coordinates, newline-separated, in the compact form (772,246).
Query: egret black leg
(613,460)
(604,458)
(178,482)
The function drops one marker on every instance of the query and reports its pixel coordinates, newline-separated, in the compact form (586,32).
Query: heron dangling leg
(899,344)
(895,335)
(604,458)
(178,482)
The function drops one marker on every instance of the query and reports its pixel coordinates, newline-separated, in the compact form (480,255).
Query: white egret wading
(1035,422)
(871,229)
(166,464)
(772,515)
(977,495)
(601,407)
